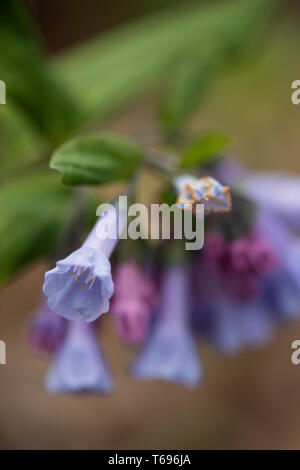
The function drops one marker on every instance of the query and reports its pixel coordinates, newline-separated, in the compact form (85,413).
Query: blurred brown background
(251,401)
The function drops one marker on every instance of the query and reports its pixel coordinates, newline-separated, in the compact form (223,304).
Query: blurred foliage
(192,39)
(203,149)
(33,213)
(97,159)
(71,27)
(31,84)
(21,144)
(227,36)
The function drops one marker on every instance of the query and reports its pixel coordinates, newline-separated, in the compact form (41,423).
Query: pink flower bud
(133,302)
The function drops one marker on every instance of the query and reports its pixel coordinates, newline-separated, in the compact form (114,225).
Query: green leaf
(203,149)
(96,159)
(53,109)
(226,37)
(96,78)
(106,71)
(33,211)
(31,84)
(110,69)
(20,144)
(189,85)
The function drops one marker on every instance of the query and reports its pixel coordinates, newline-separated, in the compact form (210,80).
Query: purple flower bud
(239,264)
(46,330)
(262,257)
(133,302)
(232,269)
(243,286)
(239,254)
(81,284)
(79,366)
(170,353)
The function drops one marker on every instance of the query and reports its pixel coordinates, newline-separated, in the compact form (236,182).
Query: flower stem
(161,161)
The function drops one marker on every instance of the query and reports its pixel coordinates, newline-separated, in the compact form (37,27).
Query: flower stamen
(92,282)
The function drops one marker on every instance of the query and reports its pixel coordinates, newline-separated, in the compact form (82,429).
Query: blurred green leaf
(20,144)
(96,159)
(31,83)
(52,108)
(96,78)
(33,211)
(203,149)
(188,85)
(227,37)
(108,70)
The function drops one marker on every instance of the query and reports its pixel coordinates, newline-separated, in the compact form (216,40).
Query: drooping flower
(81,284)
(237,324)
(170,353)
(277,222)
(79,366)
(228,322)
(133,302)
(46,331)
(247,286)
(207,191)
(282,287)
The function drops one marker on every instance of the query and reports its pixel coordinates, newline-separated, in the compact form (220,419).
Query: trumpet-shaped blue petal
(236,325)
(79,366)
(169,356)
(256,325)
(225,332)
(283,295)
(80,285)
(170,353)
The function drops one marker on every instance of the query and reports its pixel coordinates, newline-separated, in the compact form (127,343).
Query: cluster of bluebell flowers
(233,293)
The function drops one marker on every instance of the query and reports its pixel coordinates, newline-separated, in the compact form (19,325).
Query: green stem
(161,161)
